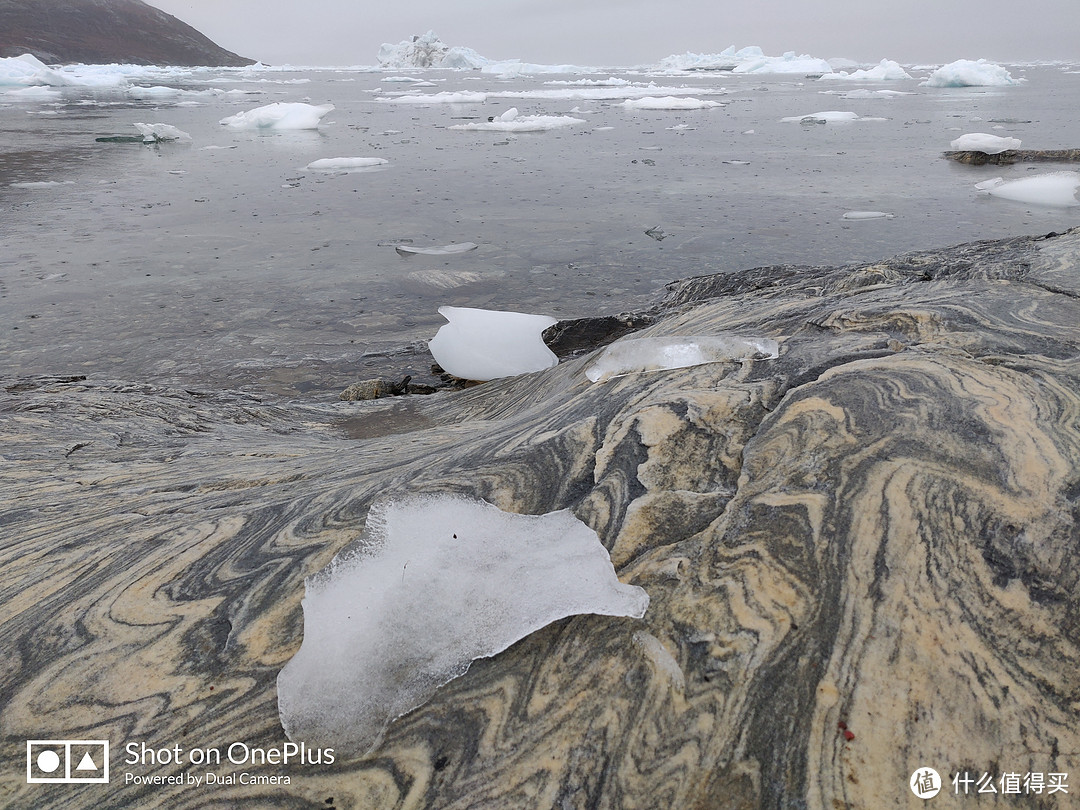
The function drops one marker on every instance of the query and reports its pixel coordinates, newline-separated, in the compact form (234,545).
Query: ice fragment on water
(156,133)
(1055,190)
(511,121)
(279,115)
(483,344)
(868,215)
(668,103)
(345,164)
(824,117)
(435,582)
(966,73)
(445,250)
(984,142)
(631,355)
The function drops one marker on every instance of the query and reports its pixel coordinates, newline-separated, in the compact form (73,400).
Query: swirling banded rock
(863,557)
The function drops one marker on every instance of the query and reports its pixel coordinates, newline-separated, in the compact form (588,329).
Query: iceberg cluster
(985,143)
(747,60)
(631,355)
(428,51)
(512,121)
(279,115)
(966,73)
(434,583)
(886,70)
(1054,190)
(483,344)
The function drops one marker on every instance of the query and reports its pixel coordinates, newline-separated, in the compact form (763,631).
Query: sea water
(226,262)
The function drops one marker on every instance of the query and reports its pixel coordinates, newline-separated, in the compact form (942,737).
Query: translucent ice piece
(483,344)
(1055,189)
(444,250)
(660,353)
(435,582)
(985,143)
(156,133)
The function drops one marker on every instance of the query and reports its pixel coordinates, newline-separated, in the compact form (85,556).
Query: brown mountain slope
(104,31)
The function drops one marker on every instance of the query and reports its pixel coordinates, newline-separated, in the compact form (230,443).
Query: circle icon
(925,783)
(48,761)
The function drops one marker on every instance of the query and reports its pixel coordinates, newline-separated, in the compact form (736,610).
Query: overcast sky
(634,32)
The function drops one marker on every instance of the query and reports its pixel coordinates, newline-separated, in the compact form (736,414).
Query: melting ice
(966,73)
(435,582)
(983,142)
(1055,189)
(279,115)
(631,355)
(483,344)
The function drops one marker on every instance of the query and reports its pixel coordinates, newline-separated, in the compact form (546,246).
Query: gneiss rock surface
(863,557)
(105,31)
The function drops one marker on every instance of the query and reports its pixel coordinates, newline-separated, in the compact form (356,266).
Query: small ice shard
(1054,190)
(868,215)
(434,583)
(825,117)
(631,355)
(985,143)
(349,164)
(483,344)
(668,103)
(512,121)
(657,233)
(444,250)
(986,185)
(279,115)
(156,133)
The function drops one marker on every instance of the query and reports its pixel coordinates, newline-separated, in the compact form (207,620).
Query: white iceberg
(966,73)
(483,344)
(631,355)
(513,121)
(1054,190)
(27,70)
(983,142)
(885,70)
(825,117)
(445,97)
(279,115)
(157,133)
(428,51)
(746,60)
(434,583)
(669,103)
(444,250)
(345,164)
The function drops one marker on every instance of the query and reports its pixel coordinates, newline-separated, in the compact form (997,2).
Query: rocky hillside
(104,31)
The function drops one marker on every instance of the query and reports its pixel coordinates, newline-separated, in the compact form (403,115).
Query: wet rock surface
(862,556)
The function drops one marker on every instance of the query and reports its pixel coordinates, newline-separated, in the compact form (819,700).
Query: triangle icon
(86,763)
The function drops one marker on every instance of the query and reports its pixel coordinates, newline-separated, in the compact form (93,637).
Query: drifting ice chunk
(1056,189)
(445,250)
(668,103)
(868,215)
(966,73)
(428,51)
(826,117)
(661,353)
(435,582)
(885,70)
(511,121)
(483,344)
(34,93)
(982,142)
(444,97)
(349,164)
(279,115)
(156,133)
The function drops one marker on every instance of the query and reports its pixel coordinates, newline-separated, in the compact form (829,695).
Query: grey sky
(629,32)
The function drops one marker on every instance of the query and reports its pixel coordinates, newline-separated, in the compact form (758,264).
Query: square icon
(67,761)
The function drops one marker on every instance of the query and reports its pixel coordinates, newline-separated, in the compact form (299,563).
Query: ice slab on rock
(484,344)
(1055,189)
(983,142)
(279,115)
(435,582)
(631,355)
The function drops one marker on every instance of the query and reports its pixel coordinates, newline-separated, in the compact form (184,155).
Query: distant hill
(104,31)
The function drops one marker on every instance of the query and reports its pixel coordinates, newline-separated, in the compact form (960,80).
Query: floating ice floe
(631,355)
(512,121)
(513,68)
(34,93)
(669,103)
(345,164)
(279,115)
(610,81)
(985,143)
(445,97)
(30,184)
(157,133)
(428,51)
(966,73)
(434,583)
(885,70)
(1054,190)
(863,92)
(444,250)
(825,117)
(746,60)
(856,215)
(484,344)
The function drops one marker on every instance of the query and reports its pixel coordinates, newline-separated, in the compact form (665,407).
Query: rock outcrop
(863,557)
(105,31)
